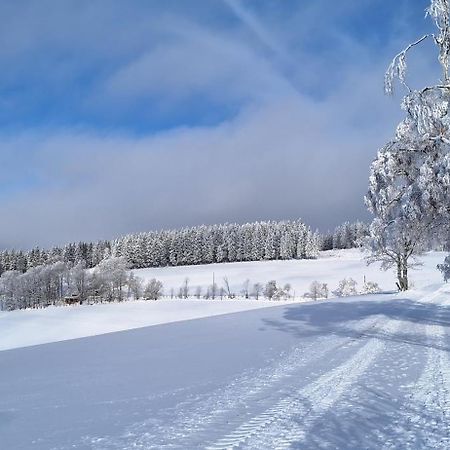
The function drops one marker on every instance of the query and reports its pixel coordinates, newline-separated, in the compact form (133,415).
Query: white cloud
(288,158)
(307,123)
(198,61)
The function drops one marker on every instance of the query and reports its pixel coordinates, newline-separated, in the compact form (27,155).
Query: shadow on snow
(338,317)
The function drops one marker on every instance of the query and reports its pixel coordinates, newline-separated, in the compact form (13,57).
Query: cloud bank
(149,116)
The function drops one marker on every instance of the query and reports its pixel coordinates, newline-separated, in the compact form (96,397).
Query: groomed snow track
(360,373)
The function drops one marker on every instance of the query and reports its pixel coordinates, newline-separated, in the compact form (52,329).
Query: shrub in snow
(445,268)
(227,288)
(257,289)
(246,289)
(370,287)
(317,290)
(211,292)
(270,290)
(347,287)
(153,290)
(283,293)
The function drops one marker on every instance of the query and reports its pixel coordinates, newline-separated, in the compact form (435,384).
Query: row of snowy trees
(347,235)
(196,245)
(53,283)
(89,253)
(219,243)
(347,287)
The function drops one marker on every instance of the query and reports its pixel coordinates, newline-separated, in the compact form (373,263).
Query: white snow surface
(331,267)
(365,372)
(40,326)
(60,323)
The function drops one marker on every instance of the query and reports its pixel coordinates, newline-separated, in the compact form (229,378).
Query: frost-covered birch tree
(409,184)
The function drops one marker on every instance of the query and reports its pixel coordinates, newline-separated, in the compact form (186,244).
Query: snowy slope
(330,267)
(361,373)
(40,326)
(31,327)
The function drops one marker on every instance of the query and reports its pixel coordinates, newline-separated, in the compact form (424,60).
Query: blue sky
(118,117)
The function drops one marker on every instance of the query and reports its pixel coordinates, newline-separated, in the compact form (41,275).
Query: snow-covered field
(358,373)
(32,327)
(40,326)
(331,267)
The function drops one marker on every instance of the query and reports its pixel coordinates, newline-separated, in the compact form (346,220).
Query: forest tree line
(100,272)
(196,245)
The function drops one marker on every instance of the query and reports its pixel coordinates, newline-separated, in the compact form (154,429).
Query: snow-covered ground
(361,372)
(330,267)
(59,323)
(32,327)
(358,373)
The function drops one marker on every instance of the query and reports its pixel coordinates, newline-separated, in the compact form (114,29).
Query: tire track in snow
(425,421)
(289,420)
(194,418)
(433,391)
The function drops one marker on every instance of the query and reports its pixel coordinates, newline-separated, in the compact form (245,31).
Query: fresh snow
(57,323)
(331,267)
(38,326)
(363,372)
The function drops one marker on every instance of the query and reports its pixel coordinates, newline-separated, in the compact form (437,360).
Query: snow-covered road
(362,373)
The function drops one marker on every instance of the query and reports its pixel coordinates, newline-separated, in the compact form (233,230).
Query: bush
(370,287)
(270,290)
(347,287)
(283,293)
(153,290)
(317,290)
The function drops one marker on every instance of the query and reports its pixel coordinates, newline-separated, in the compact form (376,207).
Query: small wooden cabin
(72,299)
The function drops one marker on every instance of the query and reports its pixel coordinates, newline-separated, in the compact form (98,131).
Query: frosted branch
(397,68)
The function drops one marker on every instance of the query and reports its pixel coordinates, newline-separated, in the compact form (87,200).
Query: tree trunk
(402,274)
(405,276)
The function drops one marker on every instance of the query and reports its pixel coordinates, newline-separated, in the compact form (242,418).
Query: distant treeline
(99,272)
(204,244)
(347,235)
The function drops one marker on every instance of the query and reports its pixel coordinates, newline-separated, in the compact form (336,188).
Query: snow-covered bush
(270,290)
(211,292)
(153,290)
(283,293)
(257,289)
(347,287)
(445,268)
(317,290)
(370,287)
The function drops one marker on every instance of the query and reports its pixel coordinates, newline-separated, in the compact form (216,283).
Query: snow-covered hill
(23,328)
(357,373)
(331,267)
(31,327)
